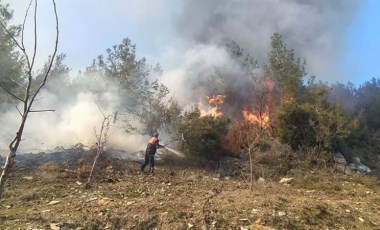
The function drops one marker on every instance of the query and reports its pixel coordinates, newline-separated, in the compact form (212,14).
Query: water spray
(178,153)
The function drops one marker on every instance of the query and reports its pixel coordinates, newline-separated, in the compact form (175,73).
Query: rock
(341,163)
(286,180)
(215,178)
(261,180)
(361,219)
(190,225)
(78,183)
(361,168)
(28,178)
(54,202)
(339,159)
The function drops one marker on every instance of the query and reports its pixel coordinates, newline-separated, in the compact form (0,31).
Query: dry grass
(177,197)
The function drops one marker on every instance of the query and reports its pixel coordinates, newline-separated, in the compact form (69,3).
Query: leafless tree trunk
(101,141)
(28,96)
(250,148)
(261,104)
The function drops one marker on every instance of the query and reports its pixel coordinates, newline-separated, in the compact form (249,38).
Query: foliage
(306,125)
(203,135)
(369,103)
(345,95)
(11,62)
(287,70)
(143,96)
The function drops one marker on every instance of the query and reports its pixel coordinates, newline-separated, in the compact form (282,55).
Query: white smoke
(78,115)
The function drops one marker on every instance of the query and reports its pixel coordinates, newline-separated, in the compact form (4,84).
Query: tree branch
(35,35)
(11,36)
(6,90)
(18,111)
(52,58)
(42,110)
(18,83)
(98,106)
(23,25)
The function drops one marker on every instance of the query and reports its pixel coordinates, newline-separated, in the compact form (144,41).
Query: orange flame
(262,119)
(214,101)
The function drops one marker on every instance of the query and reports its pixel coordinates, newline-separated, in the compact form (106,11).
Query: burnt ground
(182,197)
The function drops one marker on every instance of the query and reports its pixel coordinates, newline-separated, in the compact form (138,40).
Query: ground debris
(54,202)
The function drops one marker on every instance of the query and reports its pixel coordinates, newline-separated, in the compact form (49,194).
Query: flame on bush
(215,102)
(261,118)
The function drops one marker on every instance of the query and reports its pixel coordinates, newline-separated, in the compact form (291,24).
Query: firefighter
(150,152)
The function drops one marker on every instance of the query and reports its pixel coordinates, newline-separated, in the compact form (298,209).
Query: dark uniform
(150,152)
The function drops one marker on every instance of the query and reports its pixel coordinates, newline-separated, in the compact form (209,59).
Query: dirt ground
(175,197)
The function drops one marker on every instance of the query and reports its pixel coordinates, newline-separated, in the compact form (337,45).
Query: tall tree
(285,68)
(143,96)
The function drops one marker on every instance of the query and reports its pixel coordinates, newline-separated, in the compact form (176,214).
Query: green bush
(296,126)
(203,135)
(321,125)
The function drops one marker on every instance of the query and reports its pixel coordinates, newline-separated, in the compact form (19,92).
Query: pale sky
(160,31)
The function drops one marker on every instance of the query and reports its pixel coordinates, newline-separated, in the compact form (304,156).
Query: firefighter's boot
(151,170)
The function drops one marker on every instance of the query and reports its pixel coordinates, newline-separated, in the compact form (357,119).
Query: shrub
(240,135)
(203,135)
(321,125)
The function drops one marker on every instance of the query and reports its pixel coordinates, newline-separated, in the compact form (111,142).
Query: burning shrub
(240,135)
(203,135)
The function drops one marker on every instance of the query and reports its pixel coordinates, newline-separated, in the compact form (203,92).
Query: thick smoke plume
(313,28)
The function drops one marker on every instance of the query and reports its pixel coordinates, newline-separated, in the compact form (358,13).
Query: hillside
(186,197)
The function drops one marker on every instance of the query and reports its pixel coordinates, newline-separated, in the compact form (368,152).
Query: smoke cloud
(314,29)
(80,108)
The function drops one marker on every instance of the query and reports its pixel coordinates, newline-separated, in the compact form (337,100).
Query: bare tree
(29,95)
(101,140)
